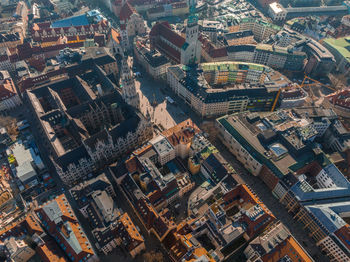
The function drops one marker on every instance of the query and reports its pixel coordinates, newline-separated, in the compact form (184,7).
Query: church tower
(127,85)
(191,51)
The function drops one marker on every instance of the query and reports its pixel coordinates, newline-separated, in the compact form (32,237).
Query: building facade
(249,88)
(60,222)
(177,48)
(153,61)
(9,99)
(84,134)
(132,24)
(277,11)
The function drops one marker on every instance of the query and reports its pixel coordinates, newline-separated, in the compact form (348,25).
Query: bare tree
(153,256)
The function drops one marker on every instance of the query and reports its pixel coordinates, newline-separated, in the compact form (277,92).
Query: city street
(70,71)
(168,115)
(273,204)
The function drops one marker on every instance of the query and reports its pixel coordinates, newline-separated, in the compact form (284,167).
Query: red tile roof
(169,51)
(181,133)
(211,50)
(115,36)
(343,234)
(164,30)
(49,251)
(218,52)
(290,248)
(126,11)
(340,98)
(249,199)
(67,224)
(51,39)
(7,90)
(152,220)
(128,232)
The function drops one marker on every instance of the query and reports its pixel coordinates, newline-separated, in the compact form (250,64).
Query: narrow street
(273,204)
(151,241)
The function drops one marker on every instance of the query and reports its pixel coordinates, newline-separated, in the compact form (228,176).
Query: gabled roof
(72,157)
(126,11)
(115,35)
(163,29)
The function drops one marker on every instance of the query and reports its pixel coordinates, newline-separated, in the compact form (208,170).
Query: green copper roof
(192,19)
(341,45)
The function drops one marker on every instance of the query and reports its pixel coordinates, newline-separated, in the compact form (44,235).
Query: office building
(340,48)
(152,61)
(213,89)
(277,11)
(279,148)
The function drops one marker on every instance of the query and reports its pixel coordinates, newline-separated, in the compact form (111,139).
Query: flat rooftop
(249,139)
(161,145)
(276,8)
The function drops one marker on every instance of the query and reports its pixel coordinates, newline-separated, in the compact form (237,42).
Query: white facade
(75,172)
(324,181)
(279,191)
(131,26)
(277,11)
(135,25)
(321,126)
(18,250)
(9,98)
(332,249)
(125,42)
(108,247)
(5,63)
(157,72)
(210,109)
(182,150)
(129,92)
(249,162)
(261,30)
(191,52)
(105,152)
(165,151)
(244,56)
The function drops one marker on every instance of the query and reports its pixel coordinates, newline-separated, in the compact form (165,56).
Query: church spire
(127,85)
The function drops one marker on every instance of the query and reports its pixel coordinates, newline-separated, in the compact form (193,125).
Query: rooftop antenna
(154,103)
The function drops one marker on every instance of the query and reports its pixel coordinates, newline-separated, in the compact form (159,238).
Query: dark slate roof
(239,34)
(119,170)
(72,157)
(82,194)
(194,85)
(100,136)
(108,99)
(126,11)
(128,125)
(215,165)
(155,60)
(103,60)
(240,48)
(9,37)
